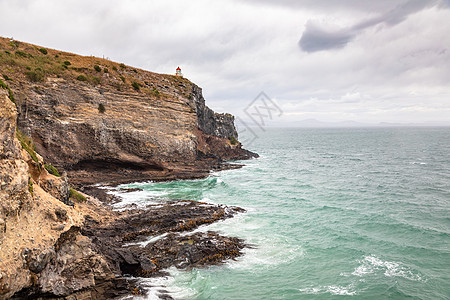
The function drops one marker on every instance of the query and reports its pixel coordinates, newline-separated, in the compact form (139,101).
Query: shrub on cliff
(97,68)
(67,63)
(27,144)
(21,54)
(36,75)
(101,108)
(43,51)
(3,85)
(156,92)
(76,195)
(136,85)
(52,170)
(91,79)
(94,79)
(233,140)
(14,44)
(30,186)
(10,94)
(82,78)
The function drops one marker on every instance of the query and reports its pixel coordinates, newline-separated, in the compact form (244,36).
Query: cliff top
(24,62)
(99,119)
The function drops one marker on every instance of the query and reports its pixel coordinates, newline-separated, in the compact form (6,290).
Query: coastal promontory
(70,122)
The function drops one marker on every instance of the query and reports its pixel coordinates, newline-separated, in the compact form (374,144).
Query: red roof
(178,69)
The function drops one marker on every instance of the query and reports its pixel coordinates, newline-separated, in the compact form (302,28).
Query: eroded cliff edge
(100,121)
(54,245)
(33,217)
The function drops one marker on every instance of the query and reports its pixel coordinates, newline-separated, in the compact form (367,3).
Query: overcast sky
(331,60)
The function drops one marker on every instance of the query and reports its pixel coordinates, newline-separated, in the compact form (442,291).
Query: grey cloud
(399,13)
(316,38)
(234,50)
(332,5)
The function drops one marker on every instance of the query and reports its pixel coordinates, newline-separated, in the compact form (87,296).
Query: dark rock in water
(129,190)
(92,261)
(116,240)
(195,250)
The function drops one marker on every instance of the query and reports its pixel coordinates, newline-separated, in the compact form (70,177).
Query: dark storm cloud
(317,38)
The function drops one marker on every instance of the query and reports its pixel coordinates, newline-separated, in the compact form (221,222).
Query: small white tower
(178,72)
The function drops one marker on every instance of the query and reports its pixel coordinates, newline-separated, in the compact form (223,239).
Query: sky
(329,60)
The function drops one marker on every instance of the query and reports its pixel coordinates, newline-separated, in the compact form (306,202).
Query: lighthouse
(178,72)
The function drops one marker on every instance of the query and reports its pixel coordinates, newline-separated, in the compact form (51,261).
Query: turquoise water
(332,213)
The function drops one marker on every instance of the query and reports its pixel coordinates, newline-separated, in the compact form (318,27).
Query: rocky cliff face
(91,116)
(14,196)
(68,129)
(52,248)
(209,122)
(101,122)
(32,220)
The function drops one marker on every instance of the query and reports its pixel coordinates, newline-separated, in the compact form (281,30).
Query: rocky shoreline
(60,243)
(69,122)
(136,243)
(144,242)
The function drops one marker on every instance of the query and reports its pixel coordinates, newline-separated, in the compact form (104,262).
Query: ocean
(331,213)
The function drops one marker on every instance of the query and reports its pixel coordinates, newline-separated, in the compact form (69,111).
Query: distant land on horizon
(314,123)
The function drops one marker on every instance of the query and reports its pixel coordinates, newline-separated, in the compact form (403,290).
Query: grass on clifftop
(22,62)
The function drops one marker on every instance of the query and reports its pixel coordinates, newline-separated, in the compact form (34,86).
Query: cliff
(57,243)
(100,121)
(34,219)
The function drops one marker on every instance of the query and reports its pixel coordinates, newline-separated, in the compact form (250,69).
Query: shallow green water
(333,213)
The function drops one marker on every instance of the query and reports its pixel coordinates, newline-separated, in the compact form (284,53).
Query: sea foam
(372,264)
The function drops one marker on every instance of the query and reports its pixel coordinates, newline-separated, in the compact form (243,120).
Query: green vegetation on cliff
(78,197)
(21,61)
(101,108)
(30,186)
(233,140)
(6,87)
(27,143)
(52,170)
